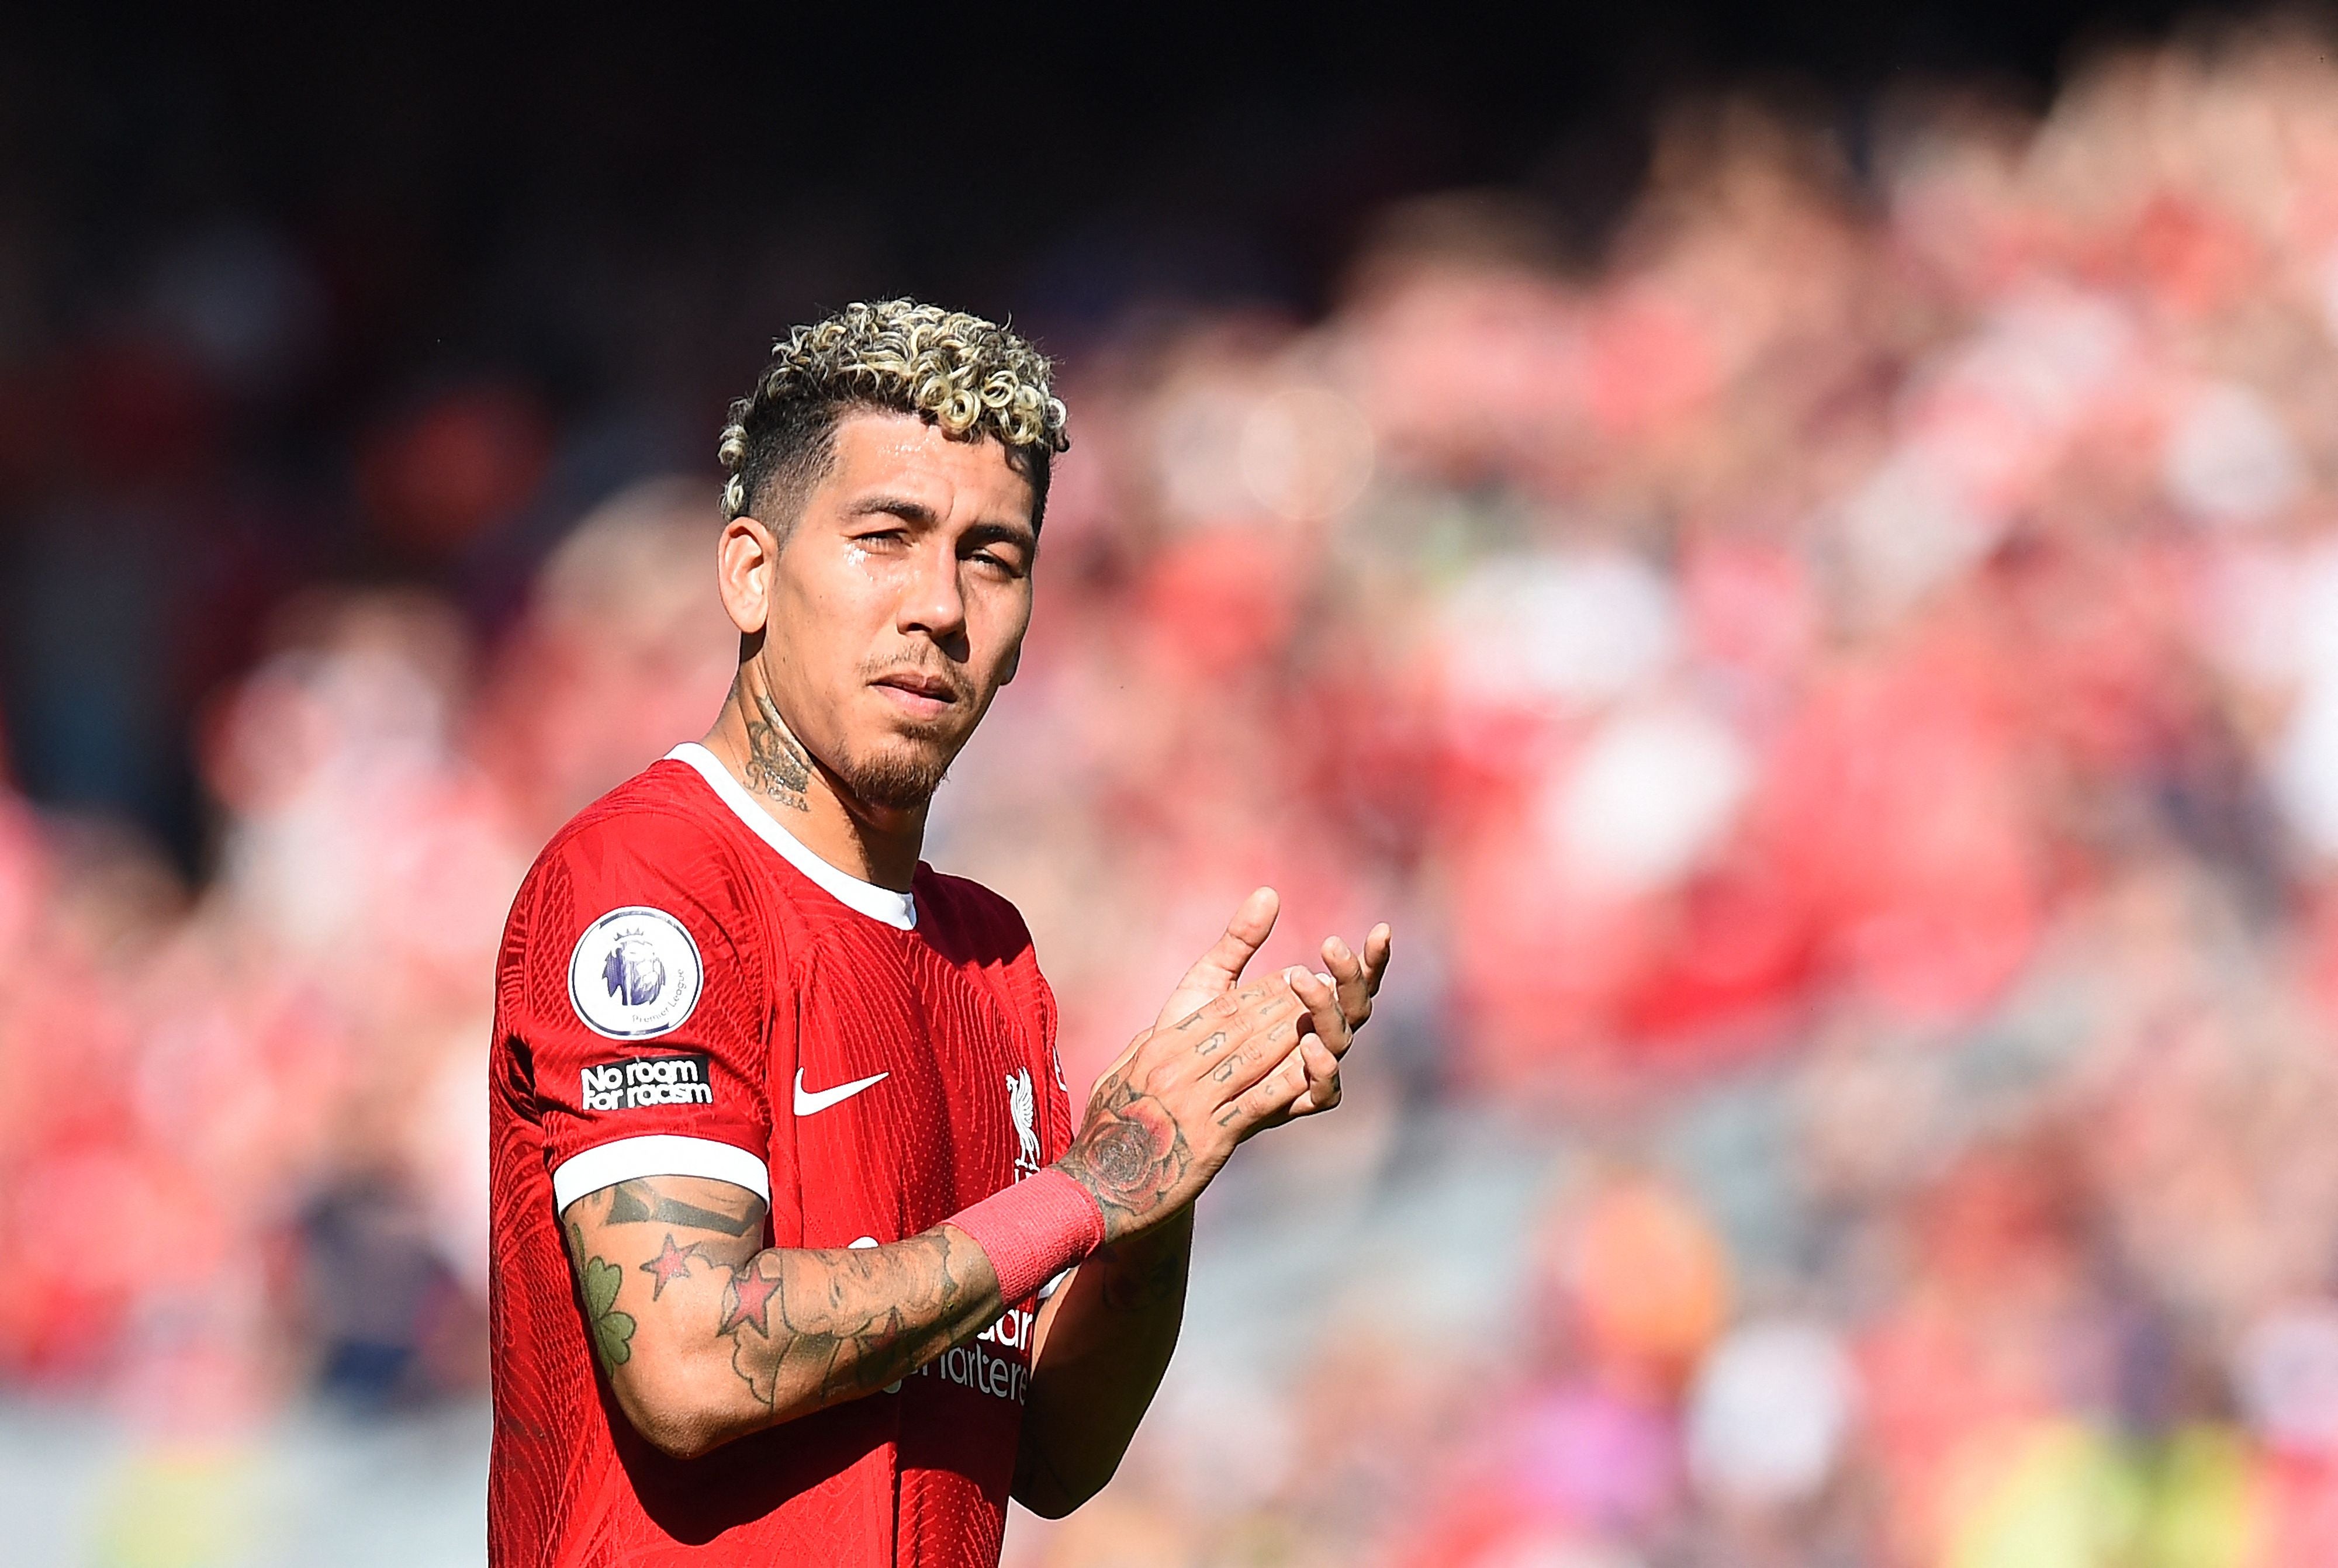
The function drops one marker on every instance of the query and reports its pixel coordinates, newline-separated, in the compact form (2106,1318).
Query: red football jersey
(683,989)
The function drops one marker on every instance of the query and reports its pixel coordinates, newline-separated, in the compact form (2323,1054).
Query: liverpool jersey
(685,990)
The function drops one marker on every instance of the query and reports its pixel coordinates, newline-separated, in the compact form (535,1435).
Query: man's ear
(743,571)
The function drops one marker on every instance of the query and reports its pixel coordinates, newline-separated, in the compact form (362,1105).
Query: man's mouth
(919,693)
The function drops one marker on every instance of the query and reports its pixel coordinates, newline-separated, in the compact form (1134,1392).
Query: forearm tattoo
(776,765)
(840,1323)
(806,1328)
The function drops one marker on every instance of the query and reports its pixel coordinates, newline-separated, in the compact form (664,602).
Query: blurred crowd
(1838,694)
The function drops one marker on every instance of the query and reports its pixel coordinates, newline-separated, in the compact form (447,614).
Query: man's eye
(998,562)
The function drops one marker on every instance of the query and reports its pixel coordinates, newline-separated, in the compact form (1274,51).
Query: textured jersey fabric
(677,981)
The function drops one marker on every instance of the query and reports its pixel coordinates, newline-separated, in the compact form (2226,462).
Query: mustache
(876,670)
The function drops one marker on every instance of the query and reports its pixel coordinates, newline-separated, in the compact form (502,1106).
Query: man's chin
(900,777)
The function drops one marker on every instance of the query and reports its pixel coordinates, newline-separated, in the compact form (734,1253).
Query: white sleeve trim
(1052,1286)
(658,1154)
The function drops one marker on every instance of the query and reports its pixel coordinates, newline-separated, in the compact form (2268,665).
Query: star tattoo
(670,1264)
(751,1296)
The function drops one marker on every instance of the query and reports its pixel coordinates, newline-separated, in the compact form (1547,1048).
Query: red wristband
(1033,1231)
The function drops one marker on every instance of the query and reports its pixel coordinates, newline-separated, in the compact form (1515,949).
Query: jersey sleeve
(648,1014)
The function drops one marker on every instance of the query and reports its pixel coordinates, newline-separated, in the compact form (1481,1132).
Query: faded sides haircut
(972,377)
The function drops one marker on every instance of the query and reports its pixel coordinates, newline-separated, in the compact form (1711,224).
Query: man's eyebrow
(982,533)
(901,506)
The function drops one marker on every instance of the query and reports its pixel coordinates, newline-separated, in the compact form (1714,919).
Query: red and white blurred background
(1836,685)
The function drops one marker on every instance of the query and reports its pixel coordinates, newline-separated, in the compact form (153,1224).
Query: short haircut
(972,377)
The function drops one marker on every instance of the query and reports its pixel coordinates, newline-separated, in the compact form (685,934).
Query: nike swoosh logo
(810,1103)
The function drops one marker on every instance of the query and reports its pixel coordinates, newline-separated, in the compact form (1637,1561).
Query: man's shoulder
(660,838)
(963,899)
(972,914)
(663,813)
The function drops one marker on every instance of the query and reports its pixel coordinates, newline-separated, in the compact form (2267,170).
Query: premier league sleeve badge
(635,974)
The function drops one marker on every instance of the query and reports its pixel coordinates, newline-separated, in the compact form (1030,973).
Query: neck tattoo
(776,765)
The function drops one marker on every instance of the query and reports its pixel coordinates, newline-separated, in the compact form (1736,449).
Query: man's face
(898,603)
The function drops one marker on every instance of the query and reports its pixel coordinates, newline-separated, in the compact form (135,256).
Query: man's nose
(931,602)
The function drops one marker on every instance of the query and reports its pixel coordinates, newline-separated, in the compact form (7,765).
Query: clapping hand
(1339,1001)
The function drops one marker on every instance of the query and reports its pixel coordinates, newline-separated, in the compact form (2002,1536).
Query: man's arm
(1103,1342)
(1107,1338)
(705,1336)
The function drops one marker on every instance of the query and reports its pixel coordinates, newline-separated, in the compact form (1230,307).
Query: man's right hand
(1164,1119)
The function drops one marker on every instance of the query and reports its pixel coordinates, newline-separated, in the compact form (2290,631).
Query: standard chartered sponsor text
(971,1366)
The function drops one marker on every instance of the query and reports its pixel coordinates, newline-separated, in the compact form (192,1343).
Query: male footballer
(799,1256)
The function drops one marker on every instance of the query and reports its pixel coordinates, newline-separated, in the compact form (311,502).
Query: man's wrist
(1148,1269)
(1033,1231)
(1173,1234)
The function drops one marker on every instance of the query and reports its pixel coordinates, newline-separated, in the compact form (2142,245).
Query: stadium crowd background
(1838,691)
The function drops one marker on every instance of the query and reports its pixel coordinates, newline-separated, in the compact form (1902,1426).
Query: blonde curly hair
(971,376)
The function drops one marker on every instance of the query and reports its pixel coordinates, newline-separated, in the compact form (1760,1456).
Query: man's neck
(751,740)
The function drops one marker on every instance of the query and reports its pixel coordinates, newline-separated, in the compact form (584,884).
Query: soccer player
(799,1256)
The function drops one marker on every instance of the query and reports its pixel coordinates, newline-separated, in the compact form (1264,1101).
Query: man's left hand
(1339,1000)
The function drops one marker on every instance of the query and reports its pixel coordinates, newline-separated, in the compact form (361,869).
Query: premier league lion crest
(635,974)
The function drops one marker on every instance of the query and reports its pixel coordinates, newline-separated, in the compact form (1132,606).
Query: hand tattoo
(776,765)
(1131,1156)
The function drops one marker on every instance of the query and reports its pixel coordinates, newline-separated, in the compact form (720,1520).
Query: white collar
(896,909)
